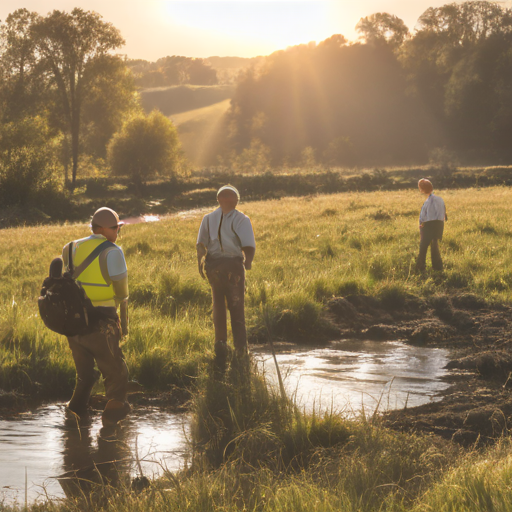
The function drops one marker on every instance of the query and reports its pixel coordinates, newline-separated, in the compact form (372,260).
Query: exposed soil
(477,408)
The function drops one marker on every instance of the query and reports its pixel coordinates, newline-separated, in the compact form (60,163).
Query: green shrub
(146,146)
(28,161)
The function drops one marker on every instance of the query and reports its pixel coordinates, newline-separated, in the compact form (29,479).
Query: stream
(349,376)
(356,376)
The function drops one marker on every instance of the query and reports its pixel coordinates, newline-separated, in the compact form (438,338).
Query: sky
(242,28)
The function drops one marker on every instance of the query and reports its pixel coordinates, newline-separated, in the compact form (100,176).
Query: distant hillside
(228,68)
(182,98)
(199,111)
(203,132)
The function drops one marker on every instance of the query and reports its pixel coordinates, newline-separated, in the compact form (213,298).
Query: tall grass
(482,481)
(309,249)
(299,463)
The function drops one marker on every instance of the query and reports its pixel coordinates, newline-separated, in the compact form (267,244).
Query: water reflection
(50,445)
(355,375)
(89,461)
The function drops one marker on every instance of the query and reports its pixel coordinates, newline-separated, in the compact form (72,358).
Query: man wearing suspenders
(105,281)
(226,247)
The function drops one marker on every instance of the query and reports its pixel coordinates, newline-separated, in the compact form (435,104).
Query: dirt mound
(469,414)
(491,365)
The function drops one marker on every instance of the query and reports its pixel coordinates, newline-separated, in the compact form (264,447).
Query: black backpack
(63,304)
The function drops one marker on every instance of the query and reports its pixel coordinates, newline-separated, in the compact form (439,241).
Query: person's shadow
(93,469)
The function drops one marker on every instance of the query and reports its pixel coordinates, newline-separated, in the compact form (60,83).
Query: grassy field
(260,453)
(309,249)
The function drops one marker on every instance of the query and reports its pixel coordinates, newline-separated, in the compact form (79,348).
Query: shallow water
(352,376)
(142,218)
(183,215)
(349,376)
(48,444)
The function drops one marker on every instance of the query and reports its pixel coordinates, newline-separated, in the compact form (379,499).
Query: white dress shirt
(433,209)
(224,234)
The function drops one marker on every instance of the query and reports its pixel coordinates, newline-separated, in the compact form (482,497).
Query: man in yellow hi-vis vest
(105,282)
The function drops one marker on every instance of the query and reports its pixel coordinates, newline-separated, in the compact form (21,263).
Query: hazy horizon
(243,28)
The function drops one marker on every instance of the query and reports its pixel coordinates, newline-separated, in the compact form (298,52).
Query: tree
(22,86)
(199,73)
(70,46)
(467,23)
(175,70)
(110,101)
(382,27)
(346,102)
(146,146)
(458,64)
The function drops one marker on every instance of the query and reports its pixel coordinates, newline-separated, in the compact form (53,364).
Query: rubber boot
(80,400)
(114,412)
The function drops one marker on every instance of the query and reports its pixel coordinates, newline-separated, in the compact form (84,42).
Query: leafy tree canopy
(146,146)
(468,22)
(382,27)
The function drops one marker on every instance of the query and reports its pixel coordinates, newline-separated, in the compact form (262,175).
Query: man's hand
(201,253)
(249,256)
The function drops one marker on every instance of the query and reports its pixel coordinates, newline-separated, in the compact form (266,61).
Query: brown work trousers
(227,280)
(430,234)
(102,346)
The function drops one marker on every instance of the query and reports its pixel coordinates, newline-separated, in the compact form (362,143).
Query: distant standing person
(432,218)
(226,247)
(105,282)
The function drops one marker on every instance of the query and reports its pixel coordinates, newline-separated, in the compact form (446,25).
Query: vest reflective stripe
(92,279)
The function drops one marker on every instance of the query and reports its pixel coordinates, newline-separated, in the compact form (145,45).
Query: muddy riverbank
(474,405)
(477,407)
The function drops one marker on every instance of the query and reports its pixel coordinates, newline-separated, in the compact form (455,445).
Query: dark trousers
(227,280)
(102,346)
(430,234)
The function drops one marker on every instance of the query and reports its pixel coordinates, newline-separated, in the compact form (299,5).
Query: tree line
(175,70)
(64,95)
(392,98)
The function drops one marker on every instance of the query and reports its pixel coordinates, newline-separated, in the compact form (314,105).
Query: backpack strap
(70,257)
(76,271)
